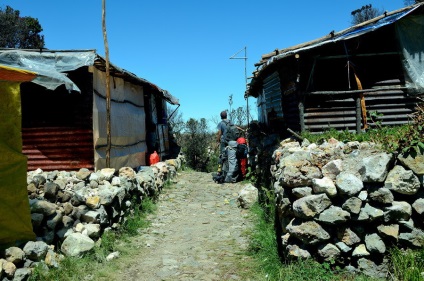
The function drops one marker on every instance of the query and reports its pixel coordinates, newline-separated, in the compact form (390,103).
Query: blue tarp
(349,33)
(371,27)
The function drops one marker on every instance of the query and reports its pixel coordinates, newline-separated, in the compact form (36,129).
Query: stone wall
(347,203)
(73,210)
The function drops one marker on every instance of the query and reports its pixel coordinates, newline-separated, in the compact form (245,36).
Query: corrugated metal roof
(100,63)
(351,32)
(50,65)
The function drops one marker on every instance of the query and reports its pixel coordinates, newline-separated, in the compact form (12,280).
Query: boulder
(14,255)
(248,196)
(36,251)
(348,236)
(334,216)
(352,205)
(77,244)
(348,184)
(375,244)
(329,252)
(376,167)
(310,206)
(398,211)
(324,185)
(295,252)
(309,232)
(402,181)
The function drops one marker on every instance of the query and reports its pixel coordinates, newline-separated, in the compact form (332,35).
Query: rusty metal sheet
(58,148)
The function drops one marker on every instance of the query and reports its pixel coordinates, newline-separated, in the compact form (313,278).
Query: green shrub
(196,143)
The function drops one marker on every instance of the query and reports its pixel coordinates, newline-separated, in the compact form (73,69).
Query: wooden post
(358,113)
(108,121)
(295,134)
(302,112)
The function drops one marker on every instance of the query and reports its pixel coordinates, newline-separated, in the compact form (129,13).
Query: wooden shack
(64,111)
(366,75)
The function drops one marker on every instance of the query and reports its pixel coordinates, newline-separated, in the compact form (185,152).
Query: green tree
(365,13)
(196,144)
(239,116)
(176,122)
(19,32)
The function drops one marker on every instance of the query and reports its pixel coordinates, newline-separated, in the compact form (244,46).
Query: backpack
(231,133)
(241,151)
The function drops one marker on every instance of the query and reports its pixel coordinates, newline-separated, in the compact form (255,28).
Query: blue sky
(184,46)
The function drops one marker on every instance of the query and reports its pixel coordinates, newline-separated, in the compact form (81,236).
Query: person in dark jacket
(222,127)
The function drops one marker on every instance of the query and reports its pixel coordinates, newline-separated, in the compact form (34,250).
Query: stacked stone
(347,203)
(73,209)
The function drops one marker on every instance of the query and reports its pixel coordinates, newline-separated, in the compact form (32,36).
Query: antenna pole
(233,57)
(245,85)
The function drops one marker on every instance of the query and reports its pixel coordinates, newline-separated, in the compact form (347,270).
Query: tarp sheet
(127,123)
(371,27)
(15,219)
(49,65)
(349,33)
(410,32)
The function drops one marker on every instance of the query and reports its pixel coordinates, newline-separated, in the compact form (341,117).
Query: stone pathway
(196,234)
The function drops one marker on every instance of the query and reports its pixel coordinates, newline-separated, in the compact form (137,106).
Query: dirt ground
(197,233)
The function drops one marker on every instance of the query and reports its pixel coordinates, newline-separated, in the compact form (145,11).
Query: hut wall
(57,125)
(373,60)
(272,93)
(128,123)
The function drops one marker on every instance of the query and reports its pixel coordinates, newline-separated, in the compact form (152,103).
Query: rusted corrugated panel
(323,113)
(58,148)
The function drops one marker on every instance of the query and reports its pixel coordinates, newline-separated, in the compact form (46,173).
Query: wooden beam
(354,91)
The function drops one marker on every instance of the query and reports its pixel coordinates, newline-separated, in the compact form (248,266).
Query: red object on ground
(154,158)
(243,166)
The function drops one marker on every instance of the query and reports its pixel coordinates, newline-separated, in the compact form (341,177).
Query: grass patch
(311,270)
(186,168)
(391,138)
(263,245)
(167,184)
(71,269)
(93,266)
(138,219)
(407,265)
(268,266)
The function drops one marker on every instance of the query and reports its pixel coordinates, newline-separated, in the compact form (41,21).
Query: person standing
(226,136)
(222,128)
(231,164)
